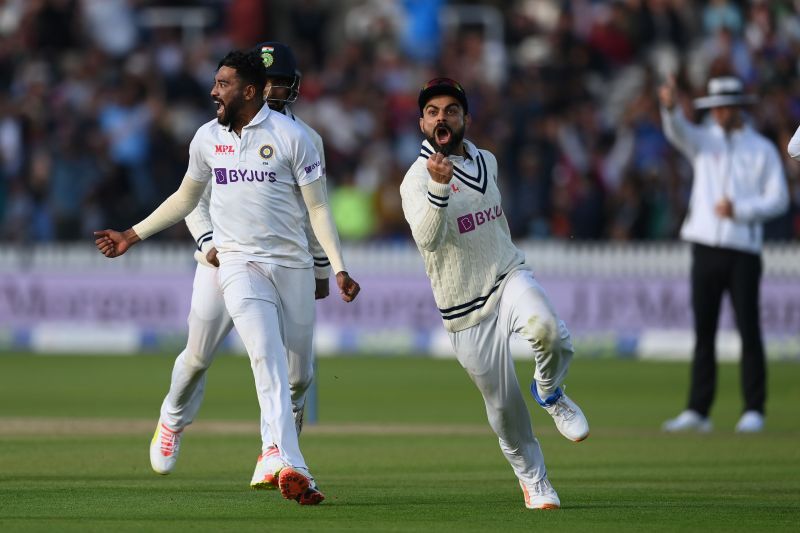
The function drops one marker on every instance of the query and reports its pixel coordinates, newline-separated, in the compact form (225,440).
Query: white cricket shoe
(164,449)
(688,420)
(540,495)
(268,466)
(751,422)
(297,484)
(568,417)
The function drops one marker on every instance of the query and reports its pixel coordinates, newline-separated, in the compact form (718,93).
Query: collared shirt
(256,207)
(744,167)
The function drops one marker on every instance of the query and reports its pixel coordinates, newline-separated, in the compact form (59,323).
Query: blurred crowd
(100,98)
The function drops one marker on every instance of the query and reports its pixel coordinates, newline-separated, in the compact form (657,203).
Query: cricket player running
(209,322)
(267,174)
(482,287)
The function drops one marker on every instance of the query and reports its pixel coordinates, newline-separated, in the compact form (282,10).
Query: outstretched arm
(175,208)
(684,135)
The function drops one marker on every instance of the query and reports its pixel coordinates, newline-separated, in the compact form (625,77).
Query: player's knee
(542,332)
(565,339)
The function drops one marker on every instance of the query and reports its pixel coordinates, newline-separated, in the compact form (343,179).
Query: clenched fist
(348,287)
(440,168)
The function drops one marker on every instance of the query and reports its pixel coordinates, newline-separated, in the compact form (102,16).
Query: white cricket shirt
(199,221)
(256,207)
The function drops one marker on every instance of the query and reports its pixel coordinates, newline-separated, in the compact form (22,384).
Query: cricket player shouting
(209,321)
(266,173)
(482,287)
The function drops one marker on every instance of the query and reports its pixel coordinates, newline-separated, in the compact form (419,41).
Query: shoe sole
(160,473)
(581,439)
(546,507)
(311,497)
(268,483)
(292,483)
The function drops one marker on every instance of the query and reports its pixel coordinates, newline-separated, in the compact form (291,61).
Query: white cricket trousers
(484,352)
(209,323)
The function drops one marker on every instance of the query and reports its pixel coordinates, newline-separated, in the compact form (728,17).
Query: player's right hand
(440,168)
(114,243)
(201,258)
(211,256)
(348,287)
(321,289)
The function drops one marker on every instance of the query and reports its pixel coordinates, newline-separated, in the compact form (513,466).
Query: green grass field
(401,445)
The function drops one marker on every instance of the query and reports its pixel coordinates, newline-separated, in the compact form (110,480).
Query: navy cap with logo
(442,86)
(278,59)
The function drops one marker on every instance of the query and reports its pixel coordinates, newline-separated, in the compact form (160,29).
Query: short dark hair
(248,66)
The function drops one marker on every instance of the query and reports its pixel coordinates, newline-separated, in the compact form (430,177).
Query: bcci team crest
(266,56)
(266,151)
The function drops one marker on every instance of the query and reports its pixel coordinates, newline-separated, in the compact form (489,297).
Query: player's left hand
(114,243)
(724,208)
(348,287)
(322,289)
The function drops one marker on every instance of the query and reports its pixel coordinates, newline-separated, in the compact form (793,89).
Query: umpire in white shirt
(738,184)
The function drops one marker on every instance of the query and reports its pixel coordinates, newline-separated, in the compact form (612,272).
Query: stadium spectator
(566,63)
(738,184)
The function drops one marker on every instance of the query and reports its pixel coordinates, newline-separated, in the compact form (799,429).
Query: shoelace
(169,441)
(540,487)
(563,410)
(272,450)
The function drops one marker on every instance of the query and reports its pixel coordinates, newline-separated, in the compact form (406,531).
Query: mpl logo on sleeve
(224,149)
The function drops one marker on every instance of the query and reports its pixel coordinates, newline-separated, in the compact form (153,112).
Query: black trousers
(714,271)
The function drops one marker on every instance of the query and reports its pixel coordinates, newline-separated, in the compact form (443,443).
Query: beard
(451,144)
(229,110)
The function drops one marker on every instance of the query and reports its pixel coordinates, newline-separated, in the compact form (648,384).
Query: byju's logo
(309,168)
(221,176)
(471,221)
(466,223)
(224,176)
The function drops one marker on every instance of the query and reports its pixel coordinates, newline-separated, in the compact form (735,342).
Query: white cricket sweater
(462,234)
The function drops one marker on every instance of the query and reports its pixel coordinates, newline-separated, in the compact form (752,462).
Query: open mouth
(442,134)
(220,107)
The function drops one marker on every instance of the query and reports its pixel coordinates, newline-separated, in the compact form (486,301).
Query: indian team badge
(266,151)
(266,55)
